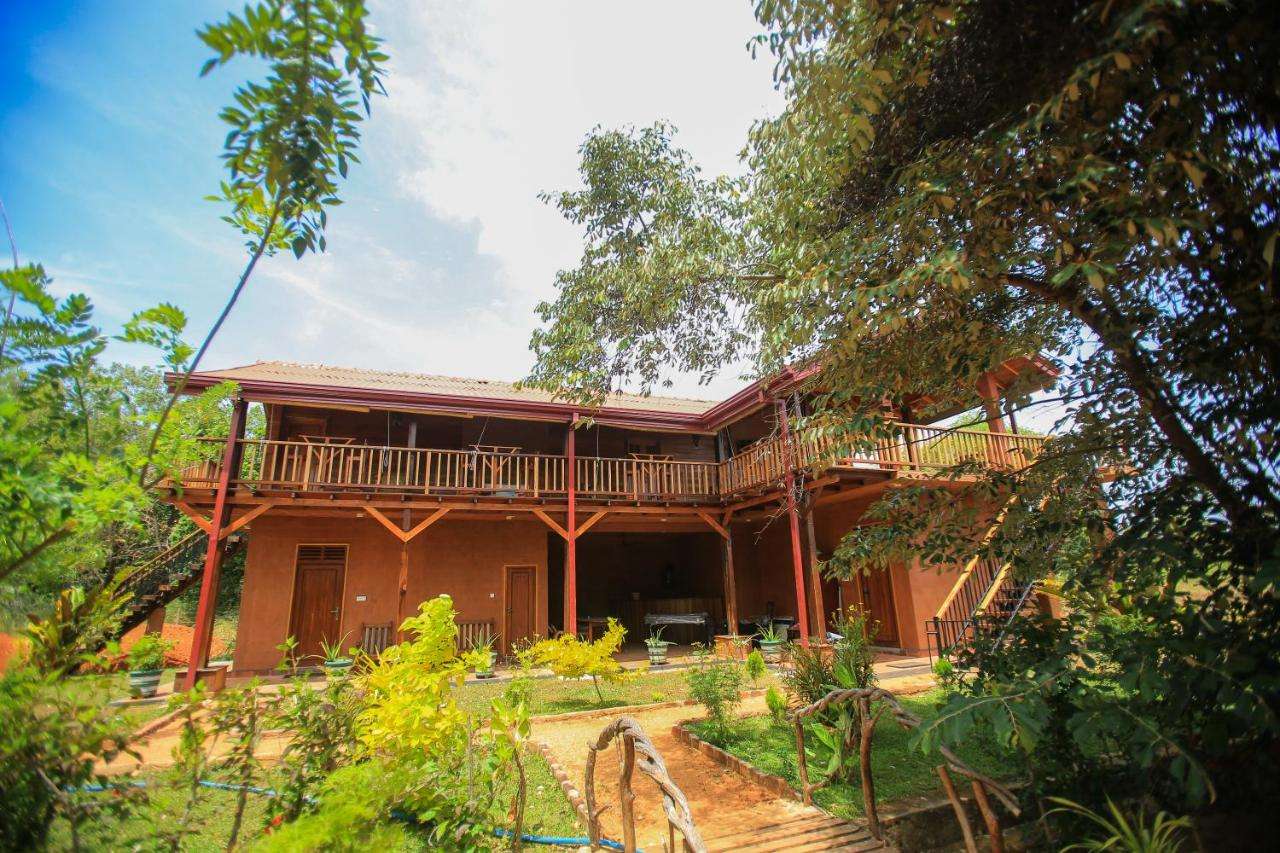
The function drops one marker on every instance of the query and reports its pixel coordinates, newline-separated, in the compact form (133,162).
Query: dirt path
(719,799)
(725,806)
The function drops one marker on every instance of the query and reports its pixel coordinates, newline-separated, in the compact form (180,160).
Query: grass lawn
(558,696)
(547,812)
(115,685)
(899,773)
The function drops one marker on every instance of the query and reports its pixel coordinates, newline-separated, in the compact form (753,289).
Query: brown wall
(764,573)
(464,559)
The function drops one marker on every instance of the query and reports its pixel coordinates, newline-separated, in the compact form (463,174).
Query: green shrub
(53,736)
(777,705)
(569,657)
(716,684)
(853,664)
(755,666)
(811,675)
(148,652)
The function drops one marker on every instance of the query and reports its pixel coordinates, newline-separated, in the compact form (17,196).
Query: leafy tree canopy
(951,184)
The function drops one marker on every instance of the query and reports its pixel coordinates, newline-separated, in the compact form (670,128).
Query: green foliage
(945,673)
(716,684)
(569,657)
(811,675)
(294,134)
(927,206)
(772,634)
(79,625)
(53,737)
(777,705)
(754,665)
(148,652)
(415,752)
(237,718)
(190,765)
(322,726)
(853,664)
(331,652)
(1165,833)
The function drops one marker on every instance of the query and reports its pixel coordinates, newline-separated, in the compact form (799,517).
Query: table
(590,625)
(653,620)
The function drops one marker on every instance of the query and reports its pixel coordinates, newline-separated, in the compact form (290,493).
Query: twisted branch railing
(638,753)
(862,698)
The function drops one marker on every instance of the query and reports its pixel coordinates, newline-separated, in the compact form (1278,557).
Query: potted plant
(771,642)
(483,655)
(336,664)
(657,648)
(146,663)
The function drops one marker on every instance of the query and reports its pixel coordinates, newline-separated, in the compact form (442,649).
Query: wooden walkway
(803,833)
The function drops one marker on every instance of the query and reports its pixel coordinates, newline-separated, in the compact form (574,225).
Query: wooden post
(958,807)
(802,763)
(571,543)
(202,634)
(626,795)
(990,394)
(815,578)
(797,562)
(155,622)
(730,584)
(867,723)
(406,523)
(989,816)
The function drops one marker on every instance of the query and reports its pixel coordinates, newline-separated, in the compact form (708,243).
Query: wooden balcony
(301,466)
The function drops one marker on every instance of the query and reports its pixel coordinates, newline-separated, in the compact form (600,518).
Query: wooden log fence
(863,699)
(637,752)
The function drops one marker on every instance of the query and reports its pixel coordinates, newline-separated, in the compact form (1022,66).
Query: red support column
(202,633)
(797,562)
(571,543)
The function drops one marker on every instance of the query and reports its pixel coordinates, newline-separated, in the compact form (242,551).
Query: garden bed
(904,778)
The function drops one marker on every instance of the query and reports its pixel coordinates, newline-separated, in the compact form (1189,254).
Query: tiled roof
(419,383)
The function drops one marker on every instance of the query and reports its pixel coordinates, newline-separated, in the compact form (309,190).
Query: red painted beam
(571,543)
(797,561)
(202,634)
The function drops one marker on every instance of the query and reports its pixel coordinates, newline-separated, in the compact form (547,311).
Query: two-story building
(372,491)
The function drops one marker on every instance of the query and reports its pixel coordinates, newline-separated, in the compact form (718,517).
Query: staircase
(984,601)
(165,577)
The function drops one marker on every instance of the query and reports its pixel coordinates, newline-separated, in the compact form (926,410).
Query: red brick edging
(775,785)
(571,792)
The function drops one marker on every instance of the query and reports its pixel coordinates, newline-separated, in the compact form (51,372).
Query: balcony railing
(310,467)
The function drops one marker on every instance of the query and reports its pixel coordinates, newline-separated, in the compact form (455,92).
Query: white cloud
(443,249)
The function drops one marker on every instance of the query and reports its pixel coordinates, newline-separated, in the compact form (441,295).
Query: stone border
(571,792)
(775,785)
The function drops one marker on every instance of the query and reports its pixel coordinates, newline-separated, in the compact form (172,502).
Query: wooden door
(317,598)
(521,616)
(877,597)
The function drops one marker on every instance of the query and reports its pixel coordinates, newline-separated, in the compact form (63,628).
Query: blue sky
(109,142)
